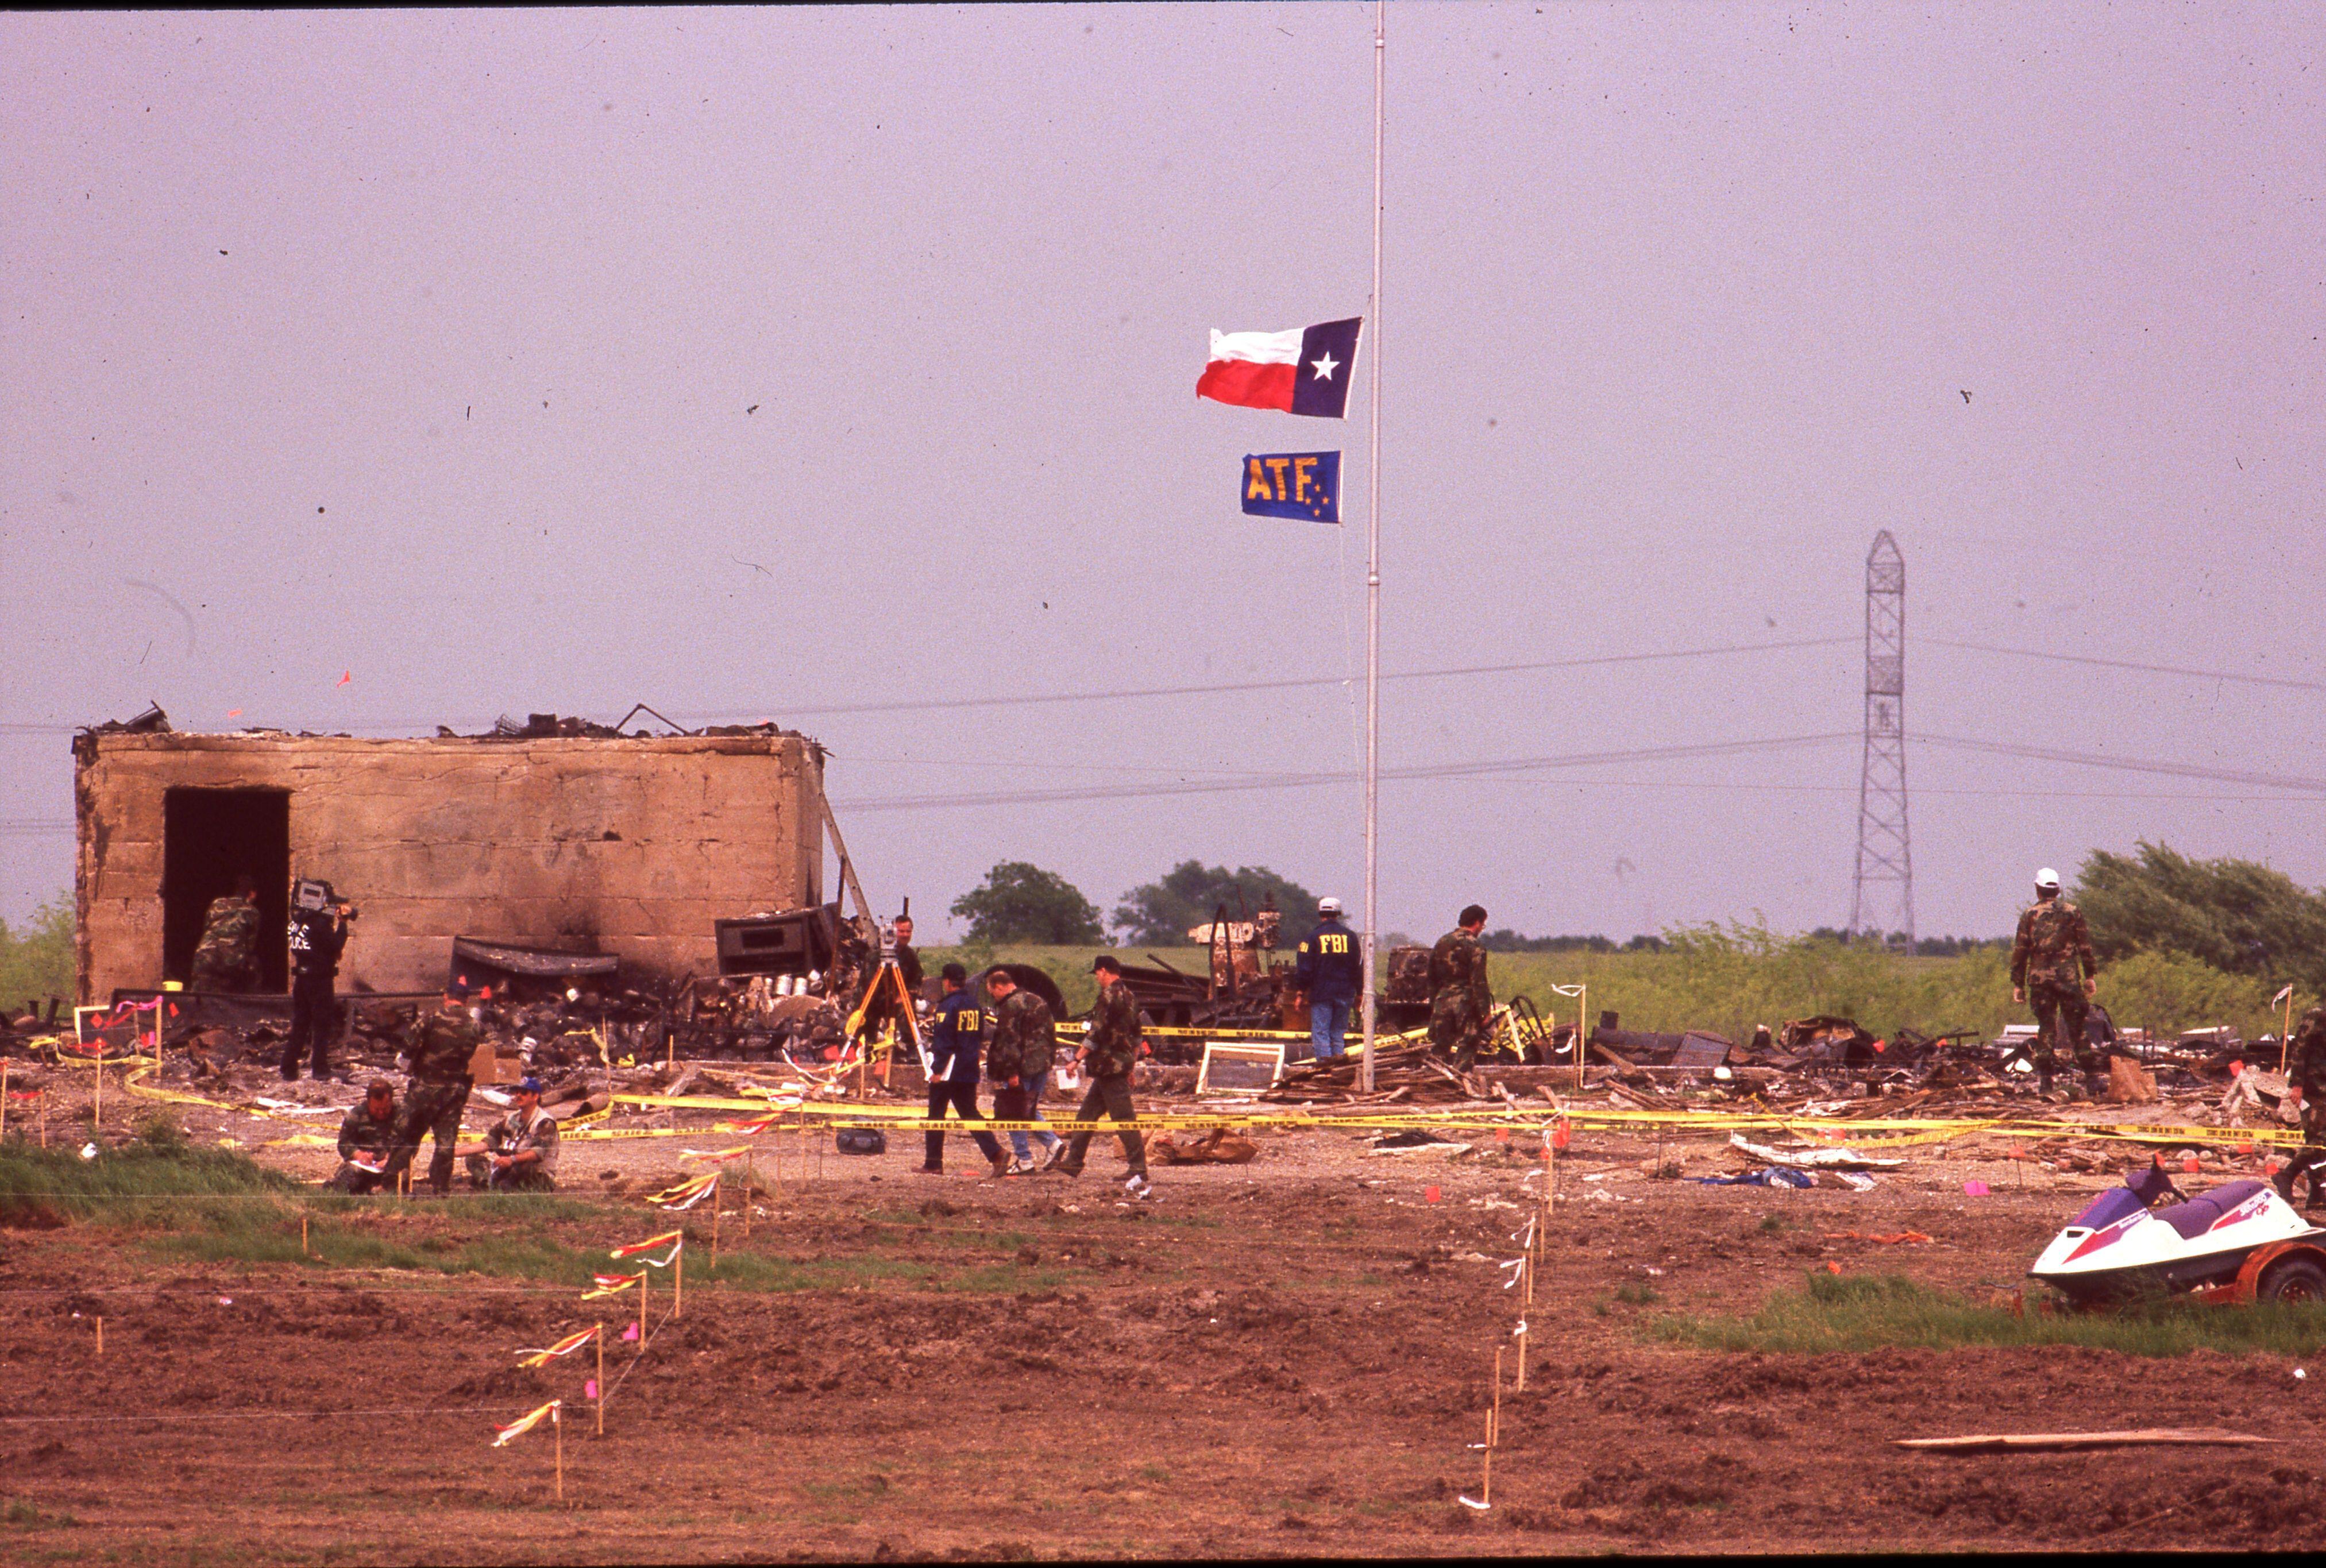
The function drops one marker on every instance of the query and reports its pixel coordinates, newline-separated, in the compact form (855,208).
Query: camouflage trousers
(216,970)
(527,1178)
(354,1179)
(2060,1013)
(2310,1159)
(1457,1029)
(433,1110)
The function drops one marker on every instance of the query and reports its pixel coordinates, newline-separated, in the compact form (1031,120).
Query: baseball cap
(2047,878)
(529,1086)
(1112,965)
(1328,906)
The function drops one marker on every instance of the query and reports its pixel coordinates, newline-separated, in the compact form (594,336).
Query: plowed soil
(1289,1357)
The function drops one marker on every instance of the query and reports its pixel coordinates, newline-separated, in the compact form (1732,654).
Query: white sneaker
(1019,1168)
(1057,1157)
(1139,1187)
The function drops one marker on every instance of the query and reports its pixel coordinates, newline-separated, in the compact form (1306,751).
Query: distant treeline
(1508,941)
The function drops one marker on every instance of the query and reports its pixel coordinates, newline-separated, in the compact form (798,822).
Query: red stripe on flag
(1248,386)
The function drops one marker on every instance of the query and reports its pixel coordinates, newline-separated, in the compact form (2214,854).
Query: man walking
(366,1141)
(2052,970)
(1329,972)
(1025,1041)
(1460,999)
(318,937)
(953,1072)
(440,1049)
(1108,1055)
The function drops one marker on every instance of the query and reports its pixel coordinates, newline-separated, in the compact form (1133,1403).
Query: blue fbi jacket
(953,1042)
(1329,966)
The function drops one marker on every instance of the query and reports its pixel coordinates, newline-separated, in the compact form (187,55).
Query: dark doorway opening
(209,840)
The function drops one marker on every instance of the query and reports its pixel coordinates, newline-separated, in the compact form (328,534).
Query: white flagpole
(1372,570)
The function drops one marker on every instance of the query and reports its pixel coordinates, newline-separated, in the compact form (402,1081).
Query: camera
(309,896)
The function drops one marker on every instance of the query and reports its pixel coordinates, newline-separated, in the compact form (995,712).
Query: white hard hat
(1328,906)
(2047,878)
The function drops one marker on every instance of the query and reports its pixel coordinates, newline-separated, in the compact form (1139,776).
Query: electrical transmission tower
(1883,855)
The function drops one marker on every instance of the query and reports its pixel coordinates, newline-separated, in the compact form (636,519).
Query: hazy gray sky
(424,347)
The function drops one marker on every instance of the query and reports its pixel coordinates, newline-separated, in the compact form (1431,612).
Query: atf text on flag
(1303,484)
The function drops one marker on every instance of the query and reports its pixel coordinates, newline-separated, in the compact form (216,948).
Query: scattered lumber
(2148,1437)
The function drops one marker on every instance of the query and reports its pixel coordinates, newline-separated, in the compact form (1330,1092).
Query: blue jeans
(1018,1140)
(1328,1028)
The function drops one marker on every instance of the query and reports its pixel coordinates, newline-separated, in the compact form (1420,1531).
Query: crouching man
(366,1141)
(520,1149)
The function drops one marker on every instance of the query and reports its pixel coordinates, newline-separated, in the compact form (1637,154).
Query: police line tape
(1868,1132)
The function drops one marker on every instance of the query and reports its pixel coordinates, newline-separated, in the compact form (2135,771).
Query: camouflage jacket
(231,932)
(1113,1042)
(1025,1038)
(2307,1064)
(1457,968)
(512,1135)
(439,1046)
(2052,945)
(360,1134)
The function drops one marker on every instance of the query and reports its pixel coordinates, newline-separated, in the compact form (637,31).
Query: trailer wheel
(2293,1279)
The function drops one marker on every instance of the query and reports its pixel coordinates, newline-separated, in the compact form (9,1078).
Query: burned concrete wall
(627,846)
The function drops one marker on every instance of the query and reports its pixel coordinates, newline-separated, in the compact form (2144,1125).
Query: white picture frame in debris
(1239,1067)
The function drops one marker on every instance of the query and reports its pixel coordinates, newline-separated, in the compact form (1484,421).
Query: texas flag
(1303,371)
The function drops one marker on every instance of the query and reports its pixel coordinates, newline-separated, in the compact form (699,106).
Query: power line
(1481,769)
(1028,700)
(2132,665)
(2129,765)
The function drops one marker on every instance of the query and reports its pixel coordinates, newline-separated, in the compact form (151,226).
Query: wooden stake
(303,1238)
(750,1187)
(3,1097)
(44,1116)
(97,1104)
(1494,1433)
(718,1202)
(100,1336)
(555,1411)
(678,1279)
(645,1279)
(600,1384)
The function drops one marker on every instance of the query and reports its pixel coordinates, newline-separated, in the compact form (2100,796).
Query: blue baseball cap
(529,1086)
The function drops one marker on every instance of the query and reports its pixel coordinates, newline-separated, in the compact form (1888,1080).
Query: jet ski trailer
(2240,1242)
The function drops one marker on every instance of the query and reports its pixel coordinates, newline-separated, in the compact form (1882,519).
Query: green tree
(1160,914)
(2236,916)
(36,960)
(1020,902)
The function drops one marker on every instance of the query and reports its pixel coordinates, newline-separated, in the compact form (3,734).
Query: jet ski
(2120,1247)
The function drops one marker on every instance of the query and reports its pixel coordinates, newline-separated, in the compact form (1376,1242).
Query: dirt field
(1287,1358)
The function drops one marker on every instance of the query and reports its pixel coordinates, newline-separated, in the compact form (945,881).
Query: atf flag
(1304,484)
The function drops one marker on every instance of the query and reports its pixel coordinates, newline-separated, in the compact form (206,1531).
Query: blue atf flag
(1303,484)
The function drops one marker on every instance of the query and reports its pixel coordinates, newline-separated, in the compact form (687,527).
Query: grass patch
(1638,1295)
(152,1180)
(1855,1313)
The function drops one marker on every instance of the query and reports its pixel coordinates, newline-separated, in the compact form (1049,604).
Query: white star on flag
(1325,366)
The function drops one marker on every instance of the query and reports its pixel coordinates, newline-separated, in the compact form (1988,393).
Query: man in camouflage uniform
(520,1149)
(1460,997)
(439,1049)
(2051,970)
(1108,1053)
(2305,1073)
(225,958)
(1025,1041)
(368,1130)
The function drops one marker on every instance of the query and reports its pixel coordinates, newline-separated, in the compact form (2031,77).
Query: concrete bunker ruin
(590,843)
